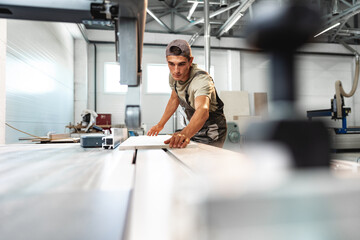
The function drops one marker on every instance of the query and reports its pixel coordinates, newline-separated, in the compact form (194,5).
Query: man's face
(179,67)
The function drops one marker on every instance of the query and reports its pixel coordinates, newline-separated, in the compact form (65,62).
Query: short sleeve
(203,86)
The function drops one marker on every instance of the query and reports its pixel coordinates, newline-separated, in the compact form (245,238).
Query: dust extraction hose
(340,91)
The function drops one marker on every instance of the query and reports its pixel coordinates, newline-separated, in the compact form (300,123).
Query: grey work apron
(214,129)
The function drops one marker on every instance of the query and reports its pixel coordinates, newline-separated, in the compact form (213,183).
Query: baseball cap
(183,45)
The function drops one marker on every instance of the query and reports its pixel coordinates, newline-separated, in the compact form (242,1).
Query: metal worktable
(63,191)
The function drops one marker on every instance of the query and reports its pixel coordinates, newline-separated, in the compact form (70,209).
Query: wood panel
(236,103)
(261,104)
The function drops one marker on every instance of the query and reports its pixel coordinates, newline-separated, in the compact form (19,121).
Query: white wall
(39,78)
(316,77)
(3,40)
(254,74)
(80,78)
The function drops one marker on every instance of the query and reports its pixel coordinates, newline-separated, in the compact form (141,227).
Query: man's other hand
(154,131)
(178,140)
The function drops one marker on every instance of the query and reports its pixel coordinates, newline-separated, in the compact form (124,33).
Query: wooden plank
(149,142)
(236,103)
(261,104)
(57,136)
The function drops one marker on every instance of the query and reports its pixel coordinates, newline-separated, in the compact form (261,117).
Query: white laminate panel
(149,142)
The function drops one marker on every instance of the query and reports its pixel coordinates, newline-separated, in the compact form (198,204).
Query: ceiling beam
(239,12)
(192,10)
(201,20)
(158,20)
(344,18)
(346,3)
(148,20)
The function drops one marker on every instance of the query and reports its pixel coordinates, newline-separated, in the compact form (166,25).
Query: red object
(103,119)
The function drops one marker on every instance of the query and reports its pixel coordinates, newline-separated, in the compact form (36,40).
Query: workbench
(63,191)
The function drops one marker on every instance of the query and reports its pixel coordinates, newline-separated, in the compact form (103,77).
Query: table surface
(64,191)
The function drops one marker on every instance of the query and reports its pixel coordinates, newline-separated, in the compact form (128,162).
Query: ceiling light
(232,22)
(329,28)
(192,10)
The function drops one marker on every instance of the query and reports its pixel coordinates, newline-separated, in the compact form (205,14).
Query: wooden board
(236,103)
(148,142)
(261,104)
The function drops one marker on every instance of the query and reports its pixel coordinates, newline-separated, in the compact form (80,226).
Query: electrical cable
(24,132)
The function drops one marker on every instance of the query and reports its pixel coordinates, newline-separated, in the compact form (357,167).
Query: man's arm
(181,139)
(171,107)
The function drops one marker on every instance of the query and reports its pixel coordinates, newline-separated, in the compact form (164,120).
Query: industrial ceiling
(226,17)
(230,17)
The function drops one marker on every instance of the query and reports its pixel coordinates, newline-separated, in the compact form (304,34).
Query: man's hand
(154,131)
(178,140)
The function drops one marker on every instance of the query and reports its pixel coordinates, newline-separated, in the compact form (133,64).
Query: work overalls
(214,130)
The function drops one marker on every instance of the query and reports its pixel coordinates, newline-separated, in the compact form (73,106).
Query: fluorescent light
(151,13)
(329,28)
(192,10)
(232,22)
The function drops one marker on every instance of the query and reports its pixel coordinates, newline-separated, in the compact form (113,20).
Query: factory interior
(79,79)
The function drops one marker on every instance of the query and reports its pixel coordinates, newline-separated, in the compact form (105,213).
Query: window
(158,78)
(112,78)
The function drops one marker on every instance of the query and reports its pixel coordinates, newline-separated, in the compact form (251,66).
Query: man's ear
(191,60)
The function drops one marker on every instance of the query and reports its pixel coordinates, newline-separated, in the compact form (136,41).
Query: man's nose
(176,68)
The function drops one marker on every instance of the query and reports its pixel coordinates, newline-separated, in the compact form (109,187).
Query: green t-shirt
(200,85)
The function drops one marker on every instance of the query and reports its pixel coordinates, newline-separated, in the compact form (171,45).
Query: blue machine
(332,112)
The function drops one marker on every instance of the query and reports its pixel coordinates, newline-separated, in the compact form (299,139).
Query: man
(194,90)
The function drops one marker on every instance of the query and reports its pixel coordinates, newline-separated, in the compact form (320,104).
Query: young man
(194,90)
